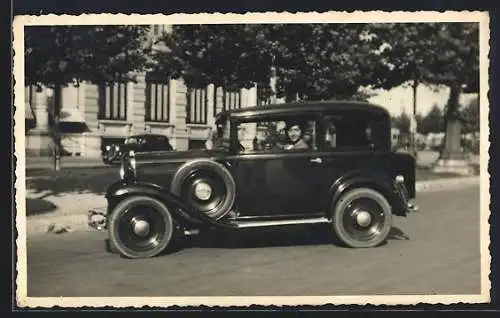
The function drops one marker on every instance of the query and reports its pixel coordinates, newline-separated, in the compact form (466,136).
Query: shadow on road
(36,206)
(271,237)
(88,180)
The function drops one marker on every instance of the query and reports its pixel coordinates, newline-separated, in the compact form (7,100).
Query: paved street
(441,257)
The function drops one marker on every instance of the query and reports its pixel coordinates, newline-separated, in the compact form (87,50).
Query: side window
(350,132)
(330,132)
(287,134)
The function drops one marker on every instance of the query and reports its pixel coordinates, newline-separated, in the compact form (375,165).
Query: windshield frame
(222,134)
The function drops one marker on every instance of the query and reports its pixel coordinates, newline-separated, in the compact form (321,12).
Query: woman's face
(294,133)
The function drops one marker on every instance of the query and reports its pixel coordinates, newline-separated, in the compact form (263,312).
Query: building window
(197,106)
(264,93)
(113,101)
(230,99)
(157,101)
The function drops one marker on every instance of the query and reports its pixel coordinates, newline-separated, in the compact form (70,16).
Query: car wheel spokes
(364,219)
(141,228)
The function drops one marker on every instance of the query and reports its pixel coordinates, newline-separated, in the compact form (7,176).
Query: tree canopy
(59,55)
(334,65)
(433,53)
(433,121)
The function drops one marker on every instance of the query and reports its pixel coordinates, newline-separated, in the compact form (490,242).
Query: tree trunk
(453,127)
(56,134)
(413,121)
(452,158)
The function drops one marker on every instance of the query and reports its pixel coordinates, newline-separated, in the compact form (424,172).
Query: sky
(399,98)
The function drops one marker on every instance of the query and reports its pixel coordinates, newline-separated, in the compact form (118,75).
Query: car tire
(222,187)
(127,235)
(362,218)
(110,248)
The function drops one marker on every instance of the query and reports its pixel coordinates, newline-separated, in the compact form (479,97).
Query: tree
(57,56)
(433,121)
(402,122)
(229,56)
(470,116)
(335,65)
(437,54)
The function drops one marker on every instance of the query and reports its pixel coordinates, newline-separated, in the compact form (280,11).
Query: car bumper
(403,194)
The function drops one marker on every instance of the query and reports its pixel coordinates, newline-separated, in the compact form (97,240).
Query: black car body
(137,143)
(342,171)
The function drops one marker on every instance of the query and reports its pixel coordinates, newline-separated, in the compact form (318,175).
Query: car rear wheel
(362,218)
(207,186)
(140,227)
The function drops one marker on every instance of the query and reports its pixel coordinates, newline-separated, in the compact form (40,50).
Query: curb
(446,184)
(55,223)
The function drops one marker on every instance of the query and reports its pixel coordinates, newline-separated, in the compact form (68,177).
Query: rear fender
(364,180)
(180,210)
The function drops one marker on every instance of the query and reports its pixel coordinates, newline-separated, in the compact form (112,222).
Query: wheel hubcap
(203,191)
(363,218)
(140,227)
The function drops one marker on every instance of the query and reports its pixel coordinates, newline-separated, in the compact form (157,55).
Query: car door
(352,143)
(278,181)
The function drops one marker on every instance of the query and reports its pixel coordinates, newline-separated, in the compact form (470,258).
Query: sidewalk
(425,159)
(71,208)
(47,163)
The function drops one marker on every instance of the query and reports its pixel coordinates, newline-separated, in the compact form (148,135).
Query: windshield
(222,134)
(131,140)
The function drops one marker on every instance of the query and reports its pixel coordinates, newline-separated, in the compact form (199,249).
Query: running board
(249,224)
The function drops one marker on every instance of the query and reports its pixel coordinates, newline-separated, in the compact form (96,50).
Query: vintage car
(137,143)
(298,163)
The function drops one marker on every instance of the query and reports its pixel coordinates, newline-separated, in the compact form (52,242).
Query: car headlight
(400,179)
(117,148)
(128,166)
(108,147)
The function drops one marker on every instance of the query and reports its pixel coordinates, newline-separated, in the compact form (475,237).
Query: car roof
(147,135)
(309,106)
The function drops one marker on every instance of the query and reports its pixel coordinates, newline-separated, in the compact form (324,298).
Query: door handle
(317,160)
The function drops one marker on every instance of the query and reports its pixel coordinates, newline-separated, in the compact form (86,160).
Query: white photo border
(20,22)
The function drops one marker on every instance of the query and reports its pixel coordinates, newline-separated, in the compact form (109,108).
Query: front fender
(181,210)
(384,185)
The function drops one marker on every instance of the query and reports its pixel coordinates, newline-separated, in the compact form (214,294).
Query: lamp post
(413,121)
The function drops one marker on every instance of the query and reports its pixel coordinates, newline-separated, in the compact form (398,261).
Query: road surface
(441,257)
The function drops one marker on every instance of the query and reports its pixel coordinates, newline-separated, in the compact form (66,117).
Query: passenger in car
(295,132)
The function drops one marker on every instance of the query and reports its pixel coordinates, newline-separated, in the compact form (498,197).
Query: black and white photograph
(260,158)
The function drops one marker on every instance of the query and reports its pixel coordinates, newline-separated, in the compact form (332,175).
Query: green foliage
(402,122)
(60,55)
(333,65)
(433,122)
(229,56)
(471,116)
(321,61)
(433,53)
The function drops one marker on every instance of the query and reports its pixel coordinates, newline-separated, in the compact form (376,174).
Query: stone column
(38,140)
(136,108)
(181,137)
(92,139)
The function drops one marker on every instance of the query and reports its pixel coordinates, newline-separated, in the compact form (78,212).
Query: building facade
(95,115)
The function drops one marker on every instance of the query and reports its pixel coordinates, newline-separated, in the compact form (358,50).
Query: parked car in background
(277,165)
(137,143)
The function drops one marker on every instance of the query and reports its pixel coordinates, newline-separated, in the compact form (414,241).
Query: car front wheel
(362,218)
(140,227)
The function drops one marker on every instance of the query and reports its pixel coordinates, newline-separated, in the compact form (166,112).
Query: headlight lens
(127,168)
(400,179)
(122,172)
(108,147)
